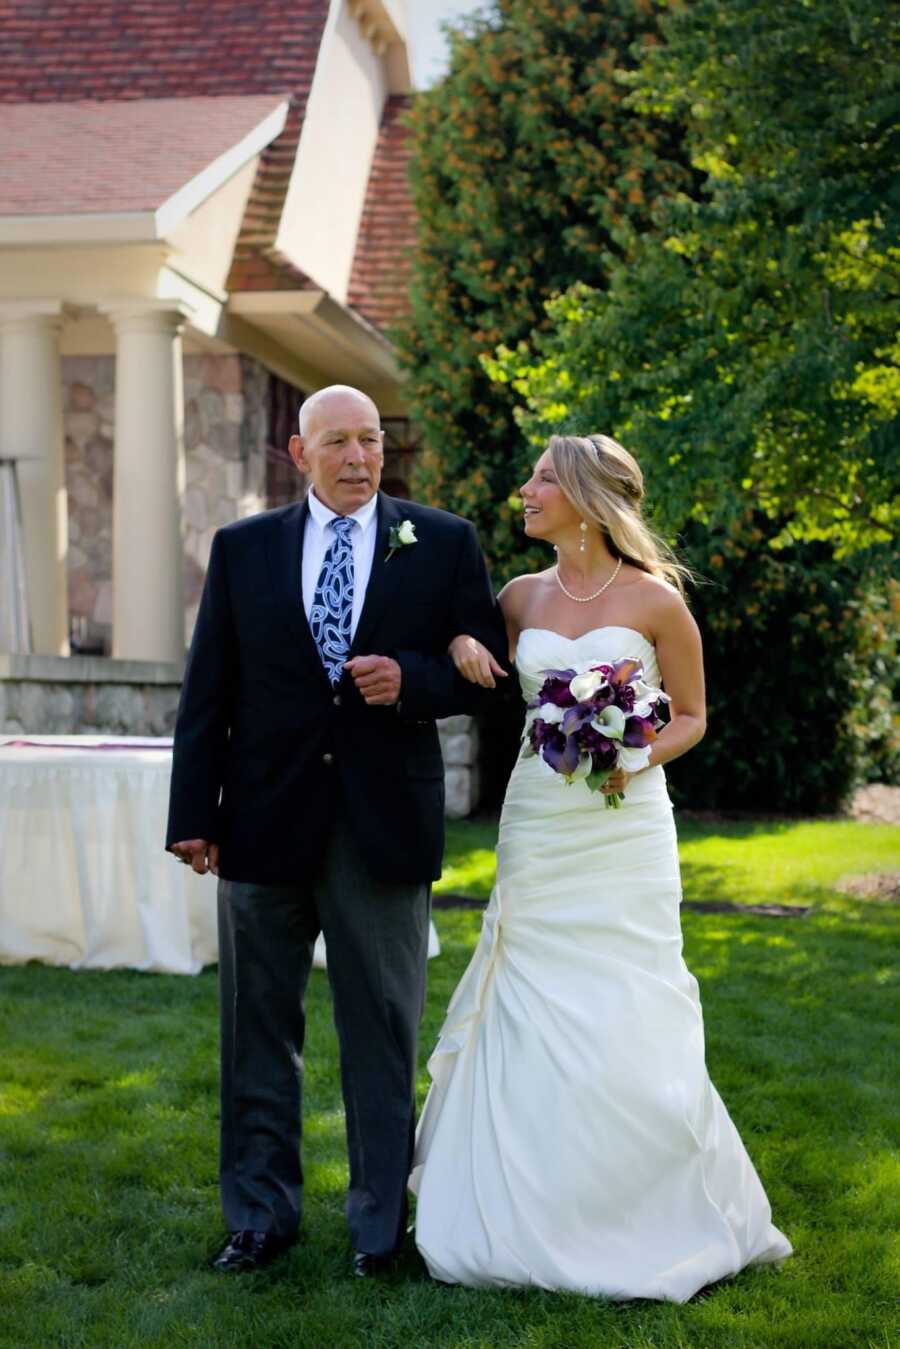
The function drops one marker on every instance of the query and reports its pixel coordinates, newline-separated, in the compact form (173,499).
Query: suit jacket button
(336,700)
(328,758)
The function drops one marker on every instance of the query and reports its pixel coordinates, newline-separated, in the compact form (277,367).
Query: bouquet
(587,725)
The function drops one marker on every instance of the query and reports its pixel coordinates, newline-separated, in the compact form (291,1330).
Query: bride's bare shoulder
(655,589)
(519,594)
(656,602)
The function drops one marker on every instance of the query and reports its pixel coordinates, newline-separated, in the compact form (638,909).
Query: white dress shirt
(318,538)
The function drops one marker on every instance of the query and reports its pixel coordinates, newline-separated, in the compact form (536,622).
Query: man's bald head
(340,447)
(335,400)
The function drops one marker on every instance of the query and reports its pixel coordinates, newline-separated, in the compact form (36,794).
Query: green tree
(529,173)
(750,351)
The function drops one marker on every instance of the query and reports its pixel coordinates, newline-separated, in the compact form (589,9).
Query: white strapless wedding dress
(572,1138)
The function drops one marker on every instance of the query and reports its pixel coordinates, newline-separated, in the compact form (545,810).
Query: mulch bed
(875,803)
(763,910)
(697,905)
(457,902)
(880,887)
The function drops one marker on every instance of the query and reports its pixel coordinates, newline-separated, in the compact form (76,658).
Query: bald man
(307,776)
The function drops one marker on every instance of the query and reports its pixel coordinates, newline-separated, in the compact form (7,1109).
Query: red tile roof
(55,51)
(71,158)
(387,232)
(61,51)
(263,268)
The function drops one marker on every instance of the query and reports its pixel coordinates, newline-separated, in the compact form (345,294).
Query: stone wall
(459,746)
(83,695)
(88,392)
(225,432)
(225,457)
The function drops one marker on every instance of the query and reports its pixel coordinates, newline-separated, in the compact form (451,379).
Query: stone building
(204,216)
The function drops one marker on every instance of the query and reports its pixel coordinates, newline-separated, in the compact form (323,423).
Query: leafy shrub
(800,656)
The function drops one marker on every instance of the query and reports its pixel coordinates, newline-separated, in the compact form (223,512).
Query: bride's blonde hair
(605,485)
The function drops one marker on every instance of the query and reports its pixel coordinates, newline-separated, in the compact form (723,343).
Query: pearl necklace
(586,599)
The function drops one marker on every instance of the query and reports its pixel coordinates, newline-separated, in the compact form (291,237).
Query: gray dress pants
(377,938)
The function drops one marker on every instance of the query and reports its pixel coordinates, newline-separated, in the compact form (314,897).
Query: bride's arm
(473,660)
(679,652)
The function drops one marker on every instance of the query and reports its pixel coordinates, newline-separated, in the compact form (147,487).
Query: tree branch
(856,514)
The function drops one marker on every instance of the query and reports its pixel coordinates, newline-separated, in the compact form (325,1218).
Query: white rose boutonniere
(401,536)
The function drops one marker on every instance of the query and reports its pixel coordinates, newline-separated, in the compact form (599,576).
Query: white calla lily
(581,772)
(645,695)
(610,722)
(633,758)
(644,690)
(552,714)
(584,686)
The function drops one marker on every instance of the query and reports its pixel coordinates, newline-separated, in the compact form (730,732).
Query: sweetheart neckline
(605,627)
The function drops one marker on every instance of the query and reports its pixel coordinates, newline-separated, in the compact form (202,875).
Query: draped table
(84,879)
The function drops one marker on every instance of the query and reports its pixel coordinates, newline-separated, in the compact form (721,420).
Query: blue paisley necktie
(332,608)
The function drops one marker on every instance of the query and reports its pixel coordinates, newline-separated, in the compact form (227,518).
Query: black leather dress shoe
(367,1266)
(247,1251)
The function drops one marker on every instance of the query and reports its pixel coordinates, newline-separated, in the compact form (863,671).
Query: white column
(148,481)
(31,433)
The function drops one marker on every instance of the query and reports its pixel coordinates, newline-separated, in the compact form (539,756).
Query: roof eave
(294,316)
(106,227)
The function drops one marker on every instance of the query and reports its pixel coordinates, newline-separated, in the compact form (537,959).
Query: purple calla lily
(577,716)
(561,752)
(639,731)
(602,750)
(623,671)
(555,688)
(540,732)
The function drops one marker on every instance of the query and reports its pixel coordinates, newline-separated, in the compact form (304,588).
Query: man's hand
(377,678)
(199,854)
(475,662)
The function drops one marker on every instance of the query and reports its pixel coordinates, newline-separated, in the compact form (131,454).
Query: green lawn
(108,1197)
(755,862)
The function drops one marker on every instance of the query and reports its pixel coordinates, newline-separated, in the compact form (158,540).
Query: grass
(750,862)
(108,1116)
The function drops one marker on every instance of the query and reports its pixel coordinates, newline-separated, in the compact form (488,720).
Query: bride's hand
(475,662)
(617,781)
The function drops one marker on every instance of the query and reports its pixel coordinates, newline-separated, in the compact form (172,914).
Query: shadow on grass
(108,1145)
(109,1120)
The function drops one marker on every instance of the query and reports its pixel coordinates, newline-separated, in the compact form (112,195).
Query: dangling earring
(583,544)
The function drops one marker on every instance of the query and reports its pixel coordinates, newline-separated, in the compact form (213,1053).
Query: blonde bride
(572,1138)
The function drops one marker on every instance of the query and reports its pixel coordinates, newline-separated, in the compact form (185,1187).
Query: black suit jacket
(266,749)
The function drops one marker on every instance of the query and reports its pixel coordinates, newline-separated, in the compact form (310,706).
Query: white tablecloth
(84,880)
